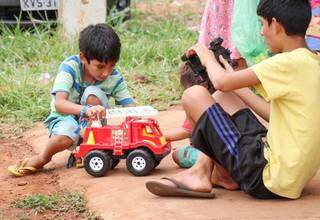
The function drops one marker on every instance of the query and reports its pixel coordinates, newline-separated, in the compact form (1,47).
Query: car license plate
(38,5)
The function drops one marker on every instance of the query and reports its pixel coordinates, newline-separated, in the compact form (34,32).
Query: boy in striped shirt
(81,91)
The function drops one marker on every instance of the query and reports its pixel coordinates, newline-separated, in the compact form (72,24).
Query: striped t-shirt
(69,80)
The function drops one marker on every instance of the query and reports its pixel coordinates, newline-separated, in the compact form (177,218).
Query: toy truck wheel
(115,163)
(140,162)
(97,163)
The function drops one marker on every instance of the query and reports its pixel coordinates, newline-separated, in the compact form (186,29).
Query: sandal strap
(32,169)
(177,183)
(28,168)
(24,162)
(22,167)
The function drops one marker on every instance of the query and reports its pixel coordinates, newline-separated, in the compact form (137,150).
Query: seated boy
(273,163)
(81,91)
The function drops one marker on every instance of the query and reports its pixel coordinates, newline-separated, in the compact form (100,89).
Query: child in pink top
(186,156)
(216,21)
(313,32)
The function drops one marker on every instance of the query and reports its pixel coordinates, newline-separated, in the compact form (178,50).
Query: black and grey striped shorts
(236,143)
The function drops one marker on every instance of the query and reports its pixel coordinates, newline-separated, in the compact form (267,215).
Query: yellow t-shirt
(291,82)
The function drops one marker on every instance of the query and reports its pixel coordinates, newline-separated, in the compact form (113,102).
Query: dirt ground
(120,195)
(12,189)
(182,7)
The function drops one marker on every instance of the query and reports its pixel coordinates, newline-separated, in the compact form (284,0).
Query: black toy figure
(200,74)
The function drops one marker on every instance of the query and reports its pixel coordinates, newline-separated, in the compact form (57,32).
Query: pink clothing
(313,32)
(315,3)
(187,126)
(216,21)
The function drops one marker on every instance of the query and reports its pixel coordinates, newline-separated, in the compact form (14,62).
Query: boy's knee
(93,100)
(64,140)
(57,143)
(193,94)
(60,142)
(93,95)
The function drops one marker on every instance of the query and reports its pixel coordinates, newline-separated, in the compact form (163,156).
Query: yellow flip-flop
(19,171)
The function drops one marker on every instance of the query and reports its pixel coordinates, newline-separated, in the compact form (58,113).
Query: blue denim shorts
(68,125)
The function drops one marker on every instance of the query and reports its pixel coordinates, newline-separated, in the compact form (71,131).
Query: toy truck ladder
(118,141)
(139,111)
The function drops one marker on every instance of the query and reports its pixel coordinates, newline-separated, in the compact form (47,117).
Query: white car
(30,12)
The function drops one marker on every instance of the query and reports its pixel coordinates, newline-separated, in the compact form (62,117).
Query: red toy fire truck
(138,140)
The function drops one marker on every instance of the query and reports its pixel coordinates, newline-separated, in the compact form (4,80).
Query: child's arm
(222,79)
(64,106)
(176,134)
(256,103)
(227,80)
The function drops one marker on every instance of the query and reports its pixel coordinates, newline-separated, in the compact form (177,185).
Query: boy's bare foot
(195,180)
(220,177)
(35,161)
(22,168)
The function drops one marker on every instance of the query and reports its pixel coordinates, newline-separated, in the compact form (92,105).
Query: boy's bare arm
(257,104)
(252,100)
(176,134)
(227,80)
(221,78)
(64,106)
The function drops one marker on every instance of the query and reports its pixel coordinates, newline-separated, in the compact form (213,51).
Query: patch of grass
(24,56)
(151,47)
(1,214)
(59,202)
(39,203)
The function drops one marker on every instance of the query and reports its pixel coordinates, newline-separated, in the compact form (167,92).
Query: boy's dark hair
(293,15)
(188,79)
(100,42)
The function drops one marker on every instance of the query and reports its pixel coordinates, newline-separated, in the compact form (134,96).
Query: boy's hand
(226,65)
(96,112)
(204,54)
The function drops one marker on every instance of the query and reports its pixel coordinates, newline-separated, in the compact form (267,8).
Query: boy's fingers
(225,63)
(191,52)
(194,49)
(90,114)
(98,112)
(102,113)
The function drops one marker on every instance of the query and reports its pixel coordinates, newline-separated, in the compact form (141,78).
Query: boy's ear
(113,64)
(277,26)
(83,58)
